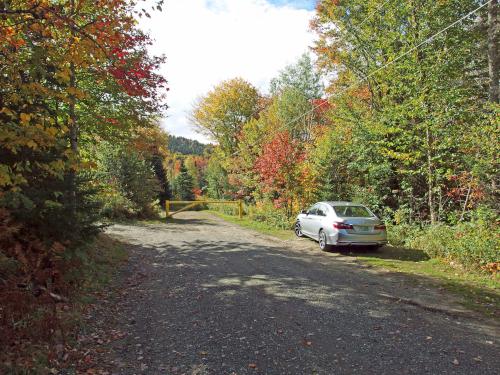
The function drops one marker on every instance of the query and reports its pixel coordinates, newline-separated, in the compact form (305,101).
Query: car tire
(323,245)
(298,230)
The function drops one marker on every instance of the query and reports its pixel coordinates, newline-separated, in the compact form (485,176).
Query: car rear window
(352,211)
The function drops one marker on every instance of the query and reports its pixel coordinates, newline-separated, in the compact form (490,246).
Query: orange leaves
(465,187)
(10,36)
(493,267)
(25,118)
(151,140)
(278,164)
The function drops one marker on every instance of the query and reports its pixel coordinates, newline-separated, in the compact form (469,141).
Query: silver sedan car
(341,224)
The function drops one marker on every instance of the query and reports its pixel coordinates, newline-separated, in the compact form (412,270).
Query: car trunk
(362,225)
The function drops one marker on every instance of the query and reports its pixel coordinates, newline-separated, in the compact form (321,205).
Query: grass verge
(478,291)
(261,227)
(43,335)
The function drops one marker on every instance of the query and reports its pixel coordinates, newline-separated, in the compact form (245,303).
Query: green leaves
(407,103)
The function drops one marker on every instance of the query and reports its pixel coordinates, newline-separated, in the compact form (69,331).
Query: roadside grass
(49,330)
(261,227)
(101,260)
(479,291)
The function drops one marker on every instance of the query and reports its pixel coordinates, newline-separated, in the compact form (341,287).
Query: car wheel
(323,245)
(298,229)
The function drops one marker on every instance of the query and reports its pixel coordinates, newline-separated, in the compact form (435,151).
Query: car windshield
(352,211)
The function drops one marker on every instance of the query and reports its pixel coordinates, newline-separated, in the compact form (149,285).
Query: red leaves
(135,73)
(465,186)
(277,166)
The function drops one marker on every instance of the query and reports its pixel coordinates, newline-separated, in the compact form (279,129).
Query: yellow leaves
(25,118)
(63,75)
(10,178)
(51,131)
(32,144)
(57,165)
(7,111)
(77,93)
(88,165)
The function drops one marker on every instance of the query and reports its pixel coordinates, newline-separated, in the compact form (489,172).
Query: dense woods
(407,123)
(396,106)
(186,146)
(79,102)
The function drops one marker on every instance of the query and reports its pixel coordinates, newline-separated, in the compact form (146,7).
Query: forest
(396,107)
(80,143)
(185,146)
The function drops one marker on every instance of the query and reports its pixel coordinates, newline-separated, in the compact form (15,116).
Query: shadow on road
(286,311)
(388,252)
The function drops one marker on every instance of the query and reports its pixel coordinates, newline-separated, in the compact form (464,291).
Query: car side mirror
(306,212)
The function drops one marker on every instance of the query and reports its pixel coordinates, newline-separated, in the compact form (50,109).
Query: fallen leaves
(306,342)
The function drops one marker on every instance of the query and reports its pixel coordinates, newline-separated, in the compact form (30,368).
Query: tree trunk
(430,176)
(493,69)
(73,129)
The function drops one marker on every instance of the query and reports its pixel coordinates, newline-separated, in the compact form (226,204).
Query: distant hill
(186,146)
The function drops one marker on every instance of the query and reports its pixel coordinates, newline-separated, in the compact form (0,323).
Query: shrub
(400,235)
(473,245)
(118,207)
(130,186)
(266,212)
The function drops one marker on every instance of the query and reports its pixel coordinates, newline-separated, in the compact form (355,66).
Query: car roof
(343,203)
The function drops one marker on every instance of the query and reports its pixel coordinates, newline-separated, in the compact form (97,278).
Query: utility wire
(429,39)
(356,29)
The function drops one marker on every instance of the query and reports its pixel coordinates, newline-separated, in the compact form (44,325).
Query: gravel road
(202,296)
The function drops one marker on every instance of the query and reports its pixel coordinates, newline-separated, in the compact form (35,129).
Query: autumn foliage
(278,166)
(75,74)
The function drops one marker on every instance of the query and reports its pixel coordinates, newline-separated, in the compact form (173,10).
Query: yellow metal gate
(191,204)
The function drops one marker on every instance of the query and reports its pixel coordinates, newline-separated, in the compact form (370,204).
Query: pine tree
(183,185)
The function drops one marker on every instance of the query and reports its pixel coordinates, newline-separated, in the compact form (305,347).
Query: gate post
(240,208)
(167,208)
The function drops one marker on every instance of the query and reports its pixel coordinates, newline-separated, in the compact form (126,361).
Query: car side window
(321,211)
(313,210)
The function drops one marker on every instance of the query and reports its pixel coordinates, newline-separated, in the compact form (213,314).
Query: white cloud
(207,41)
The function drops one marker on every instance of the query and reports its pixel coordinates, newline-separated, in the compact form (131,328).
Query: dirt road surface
(202,296)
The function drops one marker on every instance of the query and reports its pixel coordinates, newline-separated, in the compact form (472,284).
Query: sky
(208,41)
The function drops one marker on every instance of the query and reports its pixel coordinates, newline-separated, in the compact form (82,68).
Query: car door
(307,221)
(316,221)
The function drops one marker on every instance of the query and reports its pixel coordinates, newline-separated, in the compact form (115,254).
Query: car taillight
(342,226)
(380,227)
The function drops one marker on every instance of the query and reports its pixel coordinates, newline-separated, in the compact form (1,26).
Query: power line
(356,28)
(431,38)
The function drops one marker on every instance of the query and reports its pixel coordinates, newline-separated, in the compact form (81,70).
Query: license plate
(362,229)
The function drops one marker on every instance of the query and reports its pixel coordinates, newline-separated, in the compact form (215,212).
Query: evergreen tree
(164,193)
(183,185)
